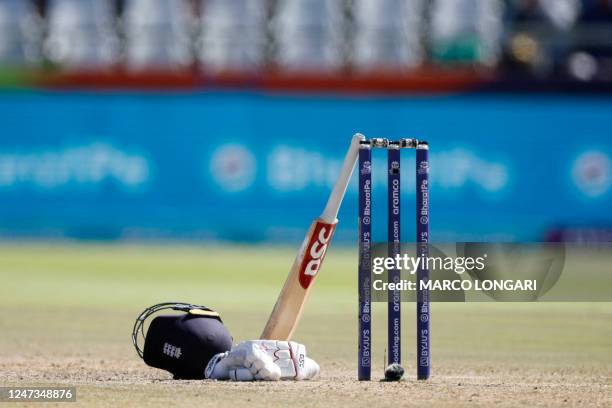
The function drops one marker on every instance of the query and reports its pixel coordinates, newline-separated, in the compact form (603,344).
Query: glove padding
(267,360)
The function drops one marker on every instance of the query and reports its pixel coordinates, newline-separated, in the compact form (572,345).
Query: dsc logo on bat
(314,252)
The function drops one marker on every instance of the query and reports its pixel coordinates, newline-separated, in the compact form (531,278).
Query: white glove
(267,360)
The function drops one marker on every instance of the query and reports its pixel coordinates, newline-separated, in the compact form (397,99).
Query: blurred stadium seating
(309,34)
(466,31)
(387,34)
(19,33)
(233,35)
(568,40)
(158,34)
(81,34)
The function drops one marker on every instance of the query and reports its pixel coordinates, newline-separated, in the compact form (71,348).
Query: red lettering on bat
(315,252)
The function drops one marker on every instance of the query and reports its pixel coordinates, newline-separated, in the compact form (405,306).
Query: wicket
(393,239)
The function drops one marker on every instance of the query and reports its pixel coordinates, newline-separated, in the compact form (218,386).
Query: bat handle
(337,195)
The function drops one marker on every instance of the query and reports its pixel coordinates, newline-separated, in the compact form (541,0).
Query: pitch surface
(67,313)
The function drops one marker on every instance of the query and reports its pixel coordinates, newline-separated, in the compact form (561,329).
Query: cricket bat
(290,303)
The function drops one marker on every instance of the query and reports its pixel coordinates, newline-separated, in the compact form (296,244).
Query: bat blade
(295,292)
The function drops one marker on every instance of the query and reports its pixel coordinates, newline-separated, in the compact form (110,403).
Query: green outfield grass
(68,310)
